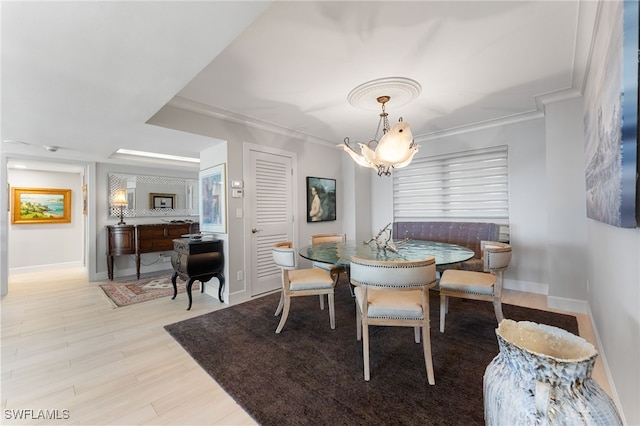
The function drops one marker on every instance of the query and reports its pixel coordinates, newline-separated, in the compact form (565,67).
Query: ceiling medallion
(402,90)
(396,148)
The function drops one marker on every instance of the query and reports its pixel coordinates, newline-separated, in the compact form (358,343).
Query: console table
(145,238)
(197,260)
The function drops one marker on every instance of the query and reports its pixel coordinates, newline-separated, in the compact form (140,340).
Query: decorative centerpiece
(542,376)
(383,240)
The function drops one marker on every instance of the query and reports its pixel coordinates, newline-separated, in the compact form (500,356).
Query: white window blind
(467,186)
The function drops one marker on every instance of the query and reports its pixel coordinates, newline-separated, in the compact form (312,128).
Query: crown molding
(219,113)
(540,101)
(472,127)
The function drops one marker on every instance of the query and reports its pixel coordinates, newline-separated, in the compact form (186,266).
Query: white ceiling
(87,76)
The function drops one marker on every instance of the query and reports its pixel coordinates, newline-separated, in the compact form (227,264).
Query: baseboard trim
(605,364)
(570,305)
(526,286)
(40,268)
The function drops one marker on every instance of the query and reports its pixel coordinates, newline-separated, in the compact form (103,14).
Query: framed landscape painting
(41,205)
(321,199)
(213,217)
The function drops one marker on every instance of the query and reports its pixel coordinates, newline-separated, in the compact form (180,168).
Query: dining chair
(393,293)
(475,285)
(334,270)
(300,282)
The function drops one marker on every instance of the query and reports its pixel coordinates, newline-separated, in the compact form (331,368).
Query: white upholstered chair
(393,294)
(485,285)
(300,282)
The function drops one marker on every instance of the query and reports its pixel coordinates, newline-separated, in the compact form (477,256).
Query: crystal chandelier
(395,150)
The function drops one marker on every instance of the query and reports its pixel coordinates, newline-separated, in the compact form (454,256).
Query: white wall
(46,246)
(356,199)
(613,267)
(566,210)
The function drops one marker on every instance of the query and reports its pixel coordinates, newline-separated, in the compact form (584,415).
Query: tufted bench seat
(466,234)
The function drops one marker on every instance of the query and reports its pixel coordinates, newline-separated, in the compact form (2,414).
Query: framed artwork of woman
(321,199)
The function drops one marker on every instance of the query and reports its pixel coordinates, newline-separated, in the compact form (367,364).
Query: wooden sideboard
(146,238)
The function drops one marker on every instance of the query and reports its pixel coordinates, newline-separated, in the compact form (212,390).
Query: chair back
(496,255)
(327,238)
(393,274)
(284,255)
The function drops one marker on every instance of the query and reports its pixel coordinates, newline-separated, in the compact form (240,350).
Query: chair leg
(335,276)
(426,343)
(280,304)
(285,314)
(416,334)
(322,302)
(332,311)
(497,307)
(358,323)
(444,304)
(365,350)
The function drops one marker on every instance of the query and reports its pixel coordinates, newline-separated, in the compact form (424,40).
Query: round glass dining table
(340,253)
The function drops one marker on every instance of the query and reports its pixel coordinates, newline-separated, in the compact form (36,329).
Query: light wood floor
(65,347)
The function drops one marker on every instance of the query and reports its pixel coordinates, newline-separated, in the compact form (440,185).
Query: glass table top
(340,253)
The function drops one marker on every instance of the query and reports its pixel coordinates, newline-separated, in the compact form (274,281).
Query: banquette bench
(466,234)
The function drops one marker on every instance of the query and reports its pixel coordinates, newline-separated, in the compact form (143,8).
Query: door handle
(254,230)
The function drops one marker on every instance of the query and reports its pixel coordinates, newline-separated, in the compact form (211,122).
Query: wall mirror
(154,195)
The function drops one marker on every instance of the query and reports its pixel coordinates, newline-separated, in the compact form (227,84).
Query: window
(466,186)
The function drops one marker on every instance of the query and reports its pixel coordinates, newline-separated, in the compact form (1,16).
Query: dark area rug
(310,374)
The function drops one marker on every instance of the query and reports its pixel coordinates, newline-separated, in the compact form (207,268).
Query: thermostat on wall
(236,193)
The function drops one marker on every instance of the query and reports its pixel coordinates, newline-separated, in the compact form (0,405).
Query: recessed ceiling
(87,76)
(53,166)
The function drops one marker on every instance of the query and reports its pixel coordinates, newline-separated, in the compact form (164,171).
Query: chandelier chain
(384,120)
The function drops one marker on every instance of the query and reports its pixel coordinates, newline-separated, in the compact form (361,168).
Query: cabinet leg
(175,286)
(189,285)
(110,267)
(220,278)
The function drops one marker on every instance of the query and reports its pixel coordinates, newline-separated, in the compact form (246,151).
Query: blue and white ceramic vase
(542,376)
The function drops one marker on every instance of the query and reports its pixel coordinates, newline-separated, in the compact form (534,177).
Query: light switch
(239,213)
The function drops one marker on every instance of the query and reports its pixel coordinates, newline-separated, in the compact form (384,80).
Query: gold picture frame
(40,206)
(84,200)
(162,201)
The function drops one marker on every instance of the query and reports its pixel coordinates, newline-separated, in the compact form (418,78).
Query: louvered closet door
(271,216)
